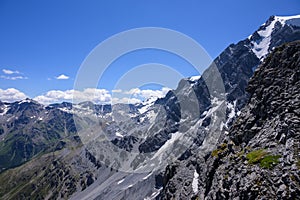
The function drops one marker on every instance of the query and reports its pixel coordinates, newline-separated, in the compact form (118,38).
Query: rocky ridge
(260,158)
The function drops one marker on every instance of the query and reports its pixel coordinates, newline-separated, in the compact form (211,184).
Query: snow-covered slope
(261,45)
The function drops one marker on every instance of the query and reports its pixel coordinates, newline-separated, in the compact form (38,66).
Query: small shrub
(215,152)
(223,146)
(219,150)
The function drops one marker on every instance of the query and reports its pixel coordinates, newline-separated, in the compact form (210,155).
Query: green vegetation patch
(219,150)
(269,161)
(215,152)
(263,158)
(256,156)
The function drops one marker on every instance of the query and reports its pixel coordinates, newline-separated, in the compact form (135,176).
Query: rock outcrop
(260,159)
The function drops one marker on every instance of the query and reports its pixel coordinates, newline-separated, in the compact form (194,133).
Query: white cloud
(126,100)
(99,96)
(136,95)
(146,94)
(11,95)
(8,71)
(117,91)
(133,91)
(13,77)
(62,77)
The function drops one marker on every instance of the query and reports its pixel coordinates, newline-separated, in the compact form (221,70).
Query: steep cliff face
(260,159)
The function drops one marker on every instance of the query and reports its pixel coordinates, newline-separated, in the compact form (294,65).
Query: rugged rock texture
(260,159)
(55,175)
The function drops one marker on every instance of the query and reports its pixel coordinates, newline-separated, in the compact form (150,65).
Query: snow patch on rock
(195,182)
(194,78)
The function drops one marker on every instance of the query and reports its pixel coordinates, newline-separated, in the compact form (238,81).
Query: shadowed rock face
(274,96)
(260,160)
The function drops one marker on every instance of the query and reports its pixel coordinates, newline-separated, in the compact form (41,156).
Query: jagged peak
(261,39)
(27,100)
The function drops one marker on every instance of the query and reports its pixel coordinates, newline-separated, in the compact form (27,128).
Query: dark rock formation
(261,158)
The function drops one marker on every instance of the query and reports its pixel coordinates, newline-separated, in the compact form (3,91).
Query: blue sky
(41,40)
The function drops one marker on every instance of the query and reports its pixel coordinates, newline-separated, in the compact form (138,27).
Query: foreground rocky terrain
(260,158)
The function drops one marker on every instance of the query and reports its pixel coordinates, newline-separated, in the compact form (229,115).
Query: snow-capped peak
(261,46)
(27,100)
(150,100)
(194,78)
(147,104)
(293,20)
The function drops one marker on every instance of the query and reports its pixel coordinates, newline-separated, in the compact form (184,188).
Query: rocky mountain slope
(29,128)
(260,158)
(51,139)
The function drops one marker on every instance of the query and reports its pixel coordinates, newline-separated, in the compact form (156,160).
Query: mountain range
(204,140)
